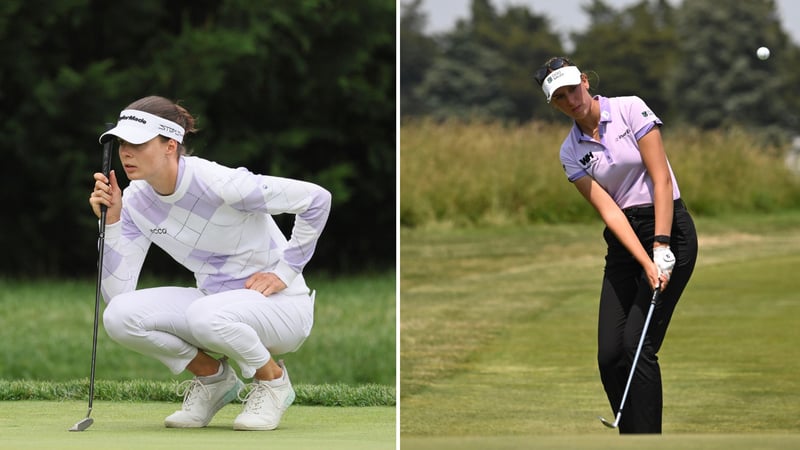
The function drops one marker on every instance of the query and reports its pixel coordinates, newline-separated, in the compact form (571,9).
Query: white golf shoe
(265,403)
(203,399)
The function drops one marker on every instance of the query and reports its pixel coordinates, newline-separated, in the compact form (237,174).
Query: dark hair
(169,110)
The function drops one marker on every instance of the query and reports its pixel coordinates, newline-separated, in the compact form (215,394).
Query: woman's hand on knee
(265,282)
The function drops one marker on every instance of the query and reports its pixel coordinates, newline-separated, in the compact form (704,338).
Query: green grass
(46,331)
(498,339)
(455,174)
(126,425)
(609,441)
(347,365)
(148,390)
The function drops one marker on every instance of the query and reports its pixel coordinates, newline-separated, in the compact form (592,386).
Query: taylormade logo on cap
(138,119)
(138,127)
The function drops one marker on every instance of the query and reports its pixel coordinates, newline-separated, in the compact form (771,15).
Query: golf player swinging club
(106,168)
(615,158)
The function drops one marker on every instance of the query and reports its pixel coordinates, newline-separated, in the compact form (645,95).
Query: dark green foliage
(417,53)
(483,68)
(299,89)
(630,51)
(693,62)
(721,81)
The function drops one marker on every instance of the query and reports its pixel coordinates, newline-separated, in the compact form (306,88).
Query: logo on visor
(175,131)
(554,76)
(134,118)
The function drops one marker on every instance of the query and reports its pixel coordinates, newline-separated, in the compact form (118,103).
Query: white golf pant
(172,323)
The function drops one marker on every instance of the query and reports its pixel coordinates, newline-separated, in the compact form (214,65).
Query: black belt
(647,210)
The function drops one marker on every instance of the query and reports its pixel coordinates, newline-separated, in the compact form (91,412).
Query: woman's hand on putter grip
(107,192)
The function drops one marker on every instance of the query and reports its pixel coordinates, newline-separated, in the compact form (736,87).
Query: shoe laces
(192,390)
(257,395)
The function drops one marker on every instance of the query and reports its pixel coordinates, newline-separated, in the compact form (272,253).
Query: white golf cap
(565,76)
(138,127)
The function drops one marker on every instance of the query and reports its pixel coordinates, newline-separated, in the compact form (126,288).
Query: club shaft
(106,169)
(656,293)
(97,295)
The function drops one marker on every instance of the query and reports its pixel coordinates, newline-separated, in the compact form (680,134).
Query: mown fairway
(498,339)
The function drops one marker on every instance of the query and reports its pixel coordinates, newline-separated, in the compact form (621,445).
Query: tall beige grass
(456,174)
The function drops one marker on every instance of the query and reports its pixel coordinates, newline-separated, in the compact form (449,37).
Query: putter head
(82,425)
(607,423)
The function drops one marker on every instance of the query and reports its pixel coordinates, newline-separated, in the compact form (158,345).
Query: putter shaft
(106,169)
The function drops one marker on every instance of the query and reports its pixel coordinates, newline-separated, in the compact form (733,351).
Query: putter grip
(108,145)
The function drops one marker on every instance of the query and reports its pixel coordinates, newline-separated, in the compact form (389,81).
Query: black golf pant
(624,303)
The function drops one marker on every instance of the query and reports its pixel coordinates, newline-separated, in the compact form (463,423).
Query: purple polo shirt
(615,162)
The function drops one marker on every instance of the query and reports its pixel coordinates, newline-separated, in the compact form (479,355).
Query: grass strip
(160,391)
(498,333)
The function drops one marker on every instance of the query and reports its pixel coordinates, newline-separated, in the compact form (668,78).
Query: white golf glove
(664,259)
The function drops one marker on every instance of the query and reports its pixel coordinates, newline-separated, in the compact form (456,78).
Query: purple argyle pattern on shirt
(149,206)
(253,200)
(315,216)
(199,200)
(218,225)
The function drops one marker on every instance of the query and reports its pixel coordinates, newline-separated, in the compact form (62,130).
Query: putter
(653,301)
(107,147)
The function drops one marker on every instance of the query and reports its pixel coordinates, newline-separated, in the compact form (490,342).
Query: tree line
(296,89)
(694,63)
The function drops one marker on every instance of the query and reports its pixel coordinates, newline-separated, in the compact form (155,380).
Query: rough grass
(149,390)
(46,334)
(466,174)
(498,336)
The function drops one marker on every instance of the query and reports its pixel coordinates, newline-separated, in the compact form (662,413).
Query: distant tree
(417,54)
(631,51)
(486,65)
(525,41)
(719,80)
(464,82)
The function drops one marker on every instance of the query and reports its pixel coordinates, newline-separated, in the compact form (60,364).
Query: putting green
(125,425)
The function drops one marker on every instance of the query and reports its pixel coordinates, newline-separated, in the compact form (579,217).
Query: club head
(82,425)
(607,423)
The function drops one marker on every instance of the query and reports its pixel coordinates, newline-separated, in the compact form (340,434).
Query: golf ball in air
(762,53)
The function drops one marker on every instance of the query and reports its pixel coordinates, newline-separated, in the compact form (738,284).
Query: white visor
(138,127)
(565,76)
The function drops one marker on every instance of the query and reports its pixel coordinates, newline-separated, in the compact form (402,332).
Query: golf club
(107,147)
(615,424)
